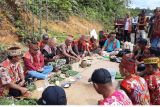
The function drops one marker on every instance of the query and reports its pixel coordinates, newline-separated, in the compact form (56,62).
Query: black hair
(143,41)
(155,66)
(106,74)
(111,33)
(32,41)
(143,11)
(10,57)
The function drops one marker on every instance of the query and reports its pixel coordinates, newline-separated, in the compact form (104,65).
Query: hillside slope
(14,19)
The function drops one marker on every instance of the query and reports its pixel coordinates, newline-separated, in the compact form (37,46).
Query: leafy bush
(19,24)
(3,54)
(97,10)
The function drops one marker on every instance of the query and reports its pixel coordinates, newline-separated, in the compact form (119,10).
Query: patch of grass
(61,36)
(3,53)
(19,24)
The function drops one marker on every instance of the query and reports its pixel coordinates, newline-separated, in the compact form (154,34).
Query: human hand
(78,59)
(101,53)
(117,49)
(40,69)
(23,90)
(21,83)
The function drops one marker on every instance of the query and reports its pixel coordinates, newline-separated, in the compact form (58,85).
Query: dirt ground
(81,92)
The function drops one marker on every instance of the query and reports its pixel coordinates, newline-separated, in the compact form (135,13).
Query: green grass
(61,36)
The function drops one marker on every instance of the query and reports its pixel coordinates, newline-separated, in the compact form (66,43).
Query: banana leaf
(118,76)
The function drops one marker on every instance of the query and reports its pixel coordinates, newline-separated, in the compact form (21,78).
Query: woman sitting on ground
(50,51)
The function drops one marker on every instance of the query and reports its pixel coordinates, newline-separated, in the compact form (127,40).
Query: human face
(127,15)
(157,12)
(149,69)
(34,49)
(45,41)
(69,42)
(16,58)
(147,52)
(122,70)
(82,38)
(97,88)
(143,13)
(112,37)
(141,46)
(51,43)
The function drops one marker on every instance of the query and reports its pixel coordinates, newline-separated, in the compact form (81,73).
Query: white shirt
(127,24)
(135,20)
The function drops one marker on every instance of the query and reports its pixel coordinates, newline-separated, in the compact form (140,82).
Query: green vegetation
(96,10)
(13,101)
(103,11)
(3,54)
(54,78)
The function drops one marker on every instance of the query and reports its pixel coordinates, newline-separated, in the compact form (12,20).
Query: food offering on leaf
(66,68)
(52,63)
(15,101)
(70,73)
(30,85)
(118,76)
(58,63)
(61,62)
(55,78)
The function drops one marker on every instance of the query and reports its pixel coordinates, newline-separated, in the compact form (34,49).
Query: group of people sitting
(14,73)
(140,86)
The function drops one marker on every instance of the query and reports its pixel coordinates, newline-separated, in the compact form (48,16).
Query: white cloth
(135,20)
(48,49)
(128,45)
(142,33)
(94,34)
(127,24)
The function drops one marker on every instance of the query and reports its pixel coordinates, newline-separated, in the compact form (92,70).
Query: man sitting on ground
(83,46)
(153,79)
(142,46)
(12,76)
(93,45)
(111,46)
(135,86)
(67,51)
(34,63)
(44,42)
(102,83)
(102,38)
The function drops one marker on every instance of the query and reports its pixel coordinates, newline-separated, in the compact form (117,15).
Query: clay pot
(84,64)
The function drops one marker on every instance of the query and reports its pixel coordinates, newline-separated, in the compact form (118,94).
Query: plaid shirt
(9,73)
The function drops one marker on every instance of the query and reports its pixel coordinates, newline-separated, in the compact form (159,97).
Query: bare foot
(50,75)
